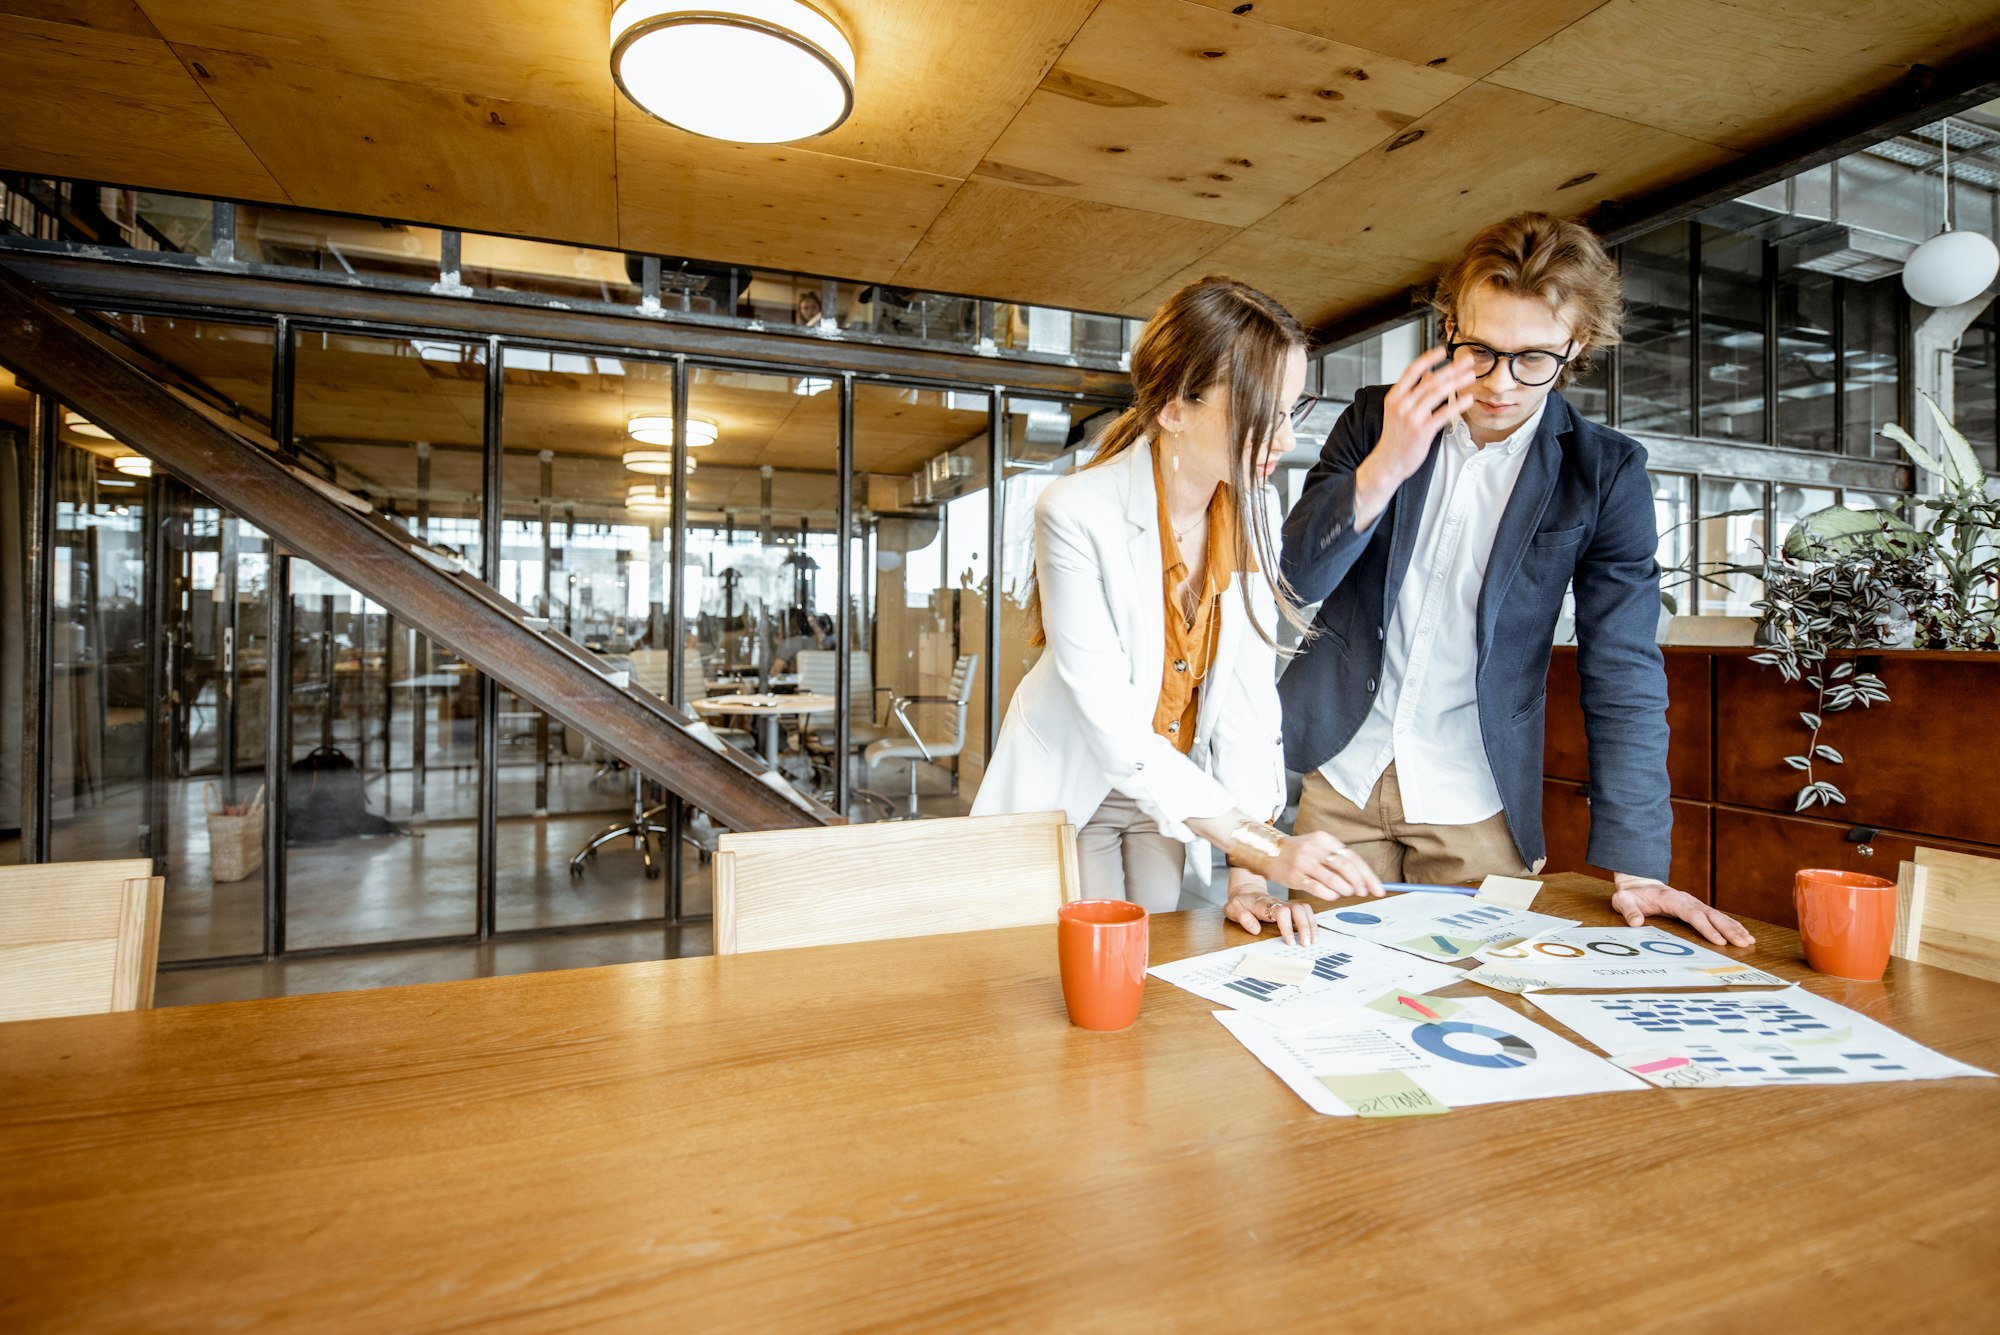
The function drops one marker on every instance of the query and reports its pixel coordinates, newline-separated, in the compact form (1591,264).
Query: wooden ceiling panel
(556,55)
(1176,108)
(1313,279)
(1743,74)
(403,150)
(767,204)
(1468,40)
(104,15)
(1029,245)
(1487,153)
(114,106)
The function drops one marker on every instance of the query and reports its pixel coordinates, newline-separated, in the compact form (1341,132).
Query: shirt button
(1378,632)
(1175,726)
(1180,665)
(1371,685)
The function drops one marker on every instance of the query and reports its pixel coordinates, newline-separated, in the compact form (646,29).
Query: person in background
(807,310)
(1446,517)
(1151,717)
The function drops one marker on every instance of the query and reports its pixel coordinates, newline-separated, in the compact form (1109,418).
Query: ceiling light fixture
(83,426)
(1952,267)
(753,71)
(658,429)
(649,498)
(133,465)
(655,462)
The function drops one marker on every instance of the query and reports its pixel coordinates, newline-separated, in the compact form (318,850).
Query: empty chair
(915,743)
(78,938)
(819,675)
(1948,912)
(776,889)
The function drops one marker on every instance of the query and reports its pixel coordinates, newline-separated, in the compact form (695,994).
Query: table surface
(909,1135)
(803,703)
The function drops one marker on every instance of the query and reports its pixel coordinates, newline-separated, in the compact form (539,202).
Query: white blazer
(1081,722)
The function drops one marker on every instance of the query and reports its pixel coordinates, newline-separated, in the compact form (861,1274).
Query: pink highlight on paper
(1664,1064)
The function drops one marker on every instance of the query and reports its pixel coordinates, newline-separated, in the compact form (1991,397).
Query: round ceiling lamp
(752,71)
(658,429)
(133,465)
(649,498)
(1952,267)
(83,426)
(656,462)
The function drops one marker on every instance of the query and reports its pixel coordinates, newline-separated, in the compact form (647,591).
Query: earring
(1174,445)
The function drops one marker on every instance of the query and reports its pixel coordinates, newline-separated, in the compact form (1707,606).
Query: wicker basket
(235,843)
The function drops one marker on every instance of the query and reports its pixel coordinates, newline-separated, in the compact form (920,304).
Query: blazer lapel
(1523,515)
(1144,597)
(1406,512)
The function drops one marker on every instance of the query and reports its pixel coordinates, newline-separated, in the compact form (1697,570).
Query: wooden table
(770,708)
(910,1136)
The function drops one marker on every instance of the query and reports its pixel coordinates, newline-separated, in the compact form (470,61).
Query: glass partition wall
(812,571)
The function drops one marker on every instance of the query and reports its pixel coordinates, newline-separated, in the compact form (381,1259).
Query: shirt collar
(1461,436)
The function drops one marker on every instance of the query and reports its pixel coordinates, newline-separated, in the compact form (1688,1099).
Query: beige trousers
(1403,850)
(1121,854)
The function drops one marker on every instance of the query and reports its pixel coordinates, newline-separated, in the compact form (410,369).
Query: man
(1446,517)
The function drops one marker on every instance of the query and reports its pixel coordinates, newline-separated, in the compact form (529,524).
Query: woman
(1152,715)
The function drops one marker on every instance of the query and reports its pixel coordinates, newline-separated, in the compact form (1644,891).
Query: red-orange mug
(1101,947)
(1846,920)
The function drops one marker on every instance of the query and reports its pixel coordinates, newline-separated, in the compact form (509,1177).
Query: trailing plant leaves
(1842,672)
(1807,796)
(1829,794)
(1810,719)
(1798,762)
(1828,753)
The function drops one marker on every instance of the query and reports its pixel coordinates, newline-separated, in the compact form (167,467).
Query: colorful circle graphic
(1357,917)
(1668,947)
(1618,948)
(1436,1039)
(1562,950)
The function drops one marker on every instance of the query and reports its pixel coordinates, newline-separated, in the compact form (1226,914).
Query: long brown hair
(1216,331)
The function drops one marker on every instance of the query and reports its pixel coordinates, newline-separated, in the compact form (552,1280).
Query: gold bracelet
(1255,845)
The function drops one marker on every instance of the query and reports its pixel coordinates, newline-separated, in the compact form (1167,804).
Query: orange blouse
(1190,647)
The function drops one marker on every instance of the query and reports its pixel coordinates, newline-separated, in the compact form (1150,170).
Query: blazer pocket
(1522,715)
(1561,537)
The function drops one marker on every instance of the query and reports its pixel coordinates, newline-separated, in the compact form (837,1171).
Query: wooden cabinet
(1918,772)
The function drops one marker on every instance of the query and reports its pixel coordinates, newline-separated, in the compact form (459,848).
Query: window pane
(1589,393)
(1673,515)
(1973,384)
(507,264)
(1653,360)
(1732,534)
(1805,360)
(333,244)
(1872,365)
(1791,504)
(1732,335)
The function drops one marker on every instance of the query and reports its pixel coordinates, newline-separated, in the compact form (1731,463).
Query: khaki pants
(1121,854)
(1402,850)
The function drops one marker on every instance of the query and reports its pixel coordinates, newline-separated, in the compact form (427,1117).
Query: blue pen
(1396,886)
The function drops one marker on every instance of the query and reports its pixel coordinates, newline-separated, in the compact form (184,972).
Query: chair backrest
(819,674)
(1948,912)
(653,670)
(775,889)
(78,938)
(694,676)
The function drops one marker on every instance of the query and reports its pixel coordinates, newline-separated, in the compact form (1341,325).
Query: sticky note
(1384,1094)
(1670,1070)
(1415,1007)
(1274,968)
(1514,892)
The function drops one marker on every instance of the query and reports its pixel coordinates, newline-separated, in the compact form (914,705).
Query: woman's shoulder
(1086,493)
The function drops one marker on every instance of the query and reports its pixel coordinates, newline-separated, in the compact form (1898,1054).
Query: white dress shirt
(1425,716)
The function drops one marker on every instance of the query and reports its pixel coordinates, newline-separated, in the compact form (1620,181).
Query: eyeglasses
(1532,367)
(1302,409)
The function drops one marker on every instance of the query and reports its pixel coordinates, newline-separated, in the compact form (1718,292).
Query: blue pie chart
(1436,1039)
(1357,917)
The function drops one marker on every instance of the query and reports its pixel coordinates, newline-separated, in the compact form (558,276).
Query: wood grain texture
(1312,279)
(1961,912)
(396,149)
(104,15)
(909,1136)
(1467,40)
(1175,108)
(1032,246)
(1743,73)
(780,889)
(78,938)
(111,104)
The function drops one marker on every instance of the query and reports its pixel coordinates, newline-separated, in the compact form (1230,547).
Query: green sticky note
(1383,1094)
(1415,1006)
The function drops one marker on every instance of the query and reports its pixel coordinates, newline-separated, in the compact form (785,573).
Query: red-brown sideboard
(1919,770)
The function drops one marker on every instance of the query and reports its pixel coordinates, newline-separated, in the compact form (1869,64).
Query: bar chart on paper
(1295,985)
(1437,927)
(1773,1038)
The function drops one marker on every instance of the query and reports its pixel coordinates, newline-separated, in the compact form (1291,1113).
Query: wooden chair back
(775,889)
(78,938)
(1948,912)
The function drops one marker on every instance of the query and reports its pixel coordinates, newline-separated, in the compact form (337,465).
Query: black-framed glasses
(1302,408)
(1535,366)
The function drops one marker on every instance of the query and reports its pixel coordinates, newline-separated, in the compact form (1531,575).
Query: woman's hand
(1251,908)
(1321,865)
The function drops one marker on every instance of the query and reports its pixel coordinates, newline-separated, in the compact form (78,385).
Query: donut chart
(1436,1040)
(1357,917)
(1668,947)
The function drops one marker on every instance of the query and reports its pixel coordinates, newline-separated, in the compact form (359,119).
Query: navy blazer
(1582,513)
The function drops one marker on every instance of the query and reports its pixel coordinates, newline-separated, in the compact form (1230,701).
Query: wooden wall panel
(1467,40)
(1566,824)
(401,150)
(1689,704)
(111,105)
(1916,763)
(1743,74)
(1313,281)
(104,15)
(1179,109)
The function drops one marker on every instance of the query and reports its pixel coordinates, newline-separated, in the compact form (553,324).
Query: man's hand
(1423,401)
(1638,896)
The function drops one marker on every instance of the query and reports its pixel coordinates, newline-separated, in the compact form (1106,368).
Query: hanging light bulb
(754,71)
(1952,267)
(658,429)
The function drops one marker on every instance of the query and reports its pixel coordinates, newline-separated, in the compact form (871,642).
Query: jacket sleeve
(1113,713)
(1320,540)
(1617,585)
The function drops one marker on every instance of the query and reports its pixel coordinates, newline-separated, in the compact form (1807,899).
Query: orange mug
(1101,946)
(1846,920)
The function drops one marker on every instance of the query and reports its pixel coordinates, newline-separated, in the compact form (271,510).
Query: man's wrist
(1372,489)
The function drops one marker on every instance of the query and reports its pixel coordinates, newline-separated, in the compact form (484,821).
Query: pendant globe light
(1952,267)
(752,71)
